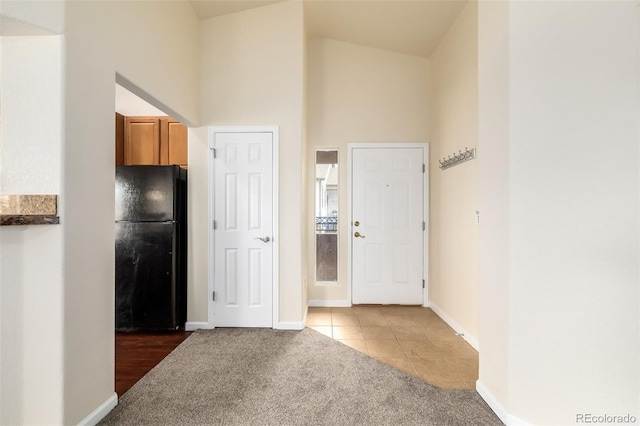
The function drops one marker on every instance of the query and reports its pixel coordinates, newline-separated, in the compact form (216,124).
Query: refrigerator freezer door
(145,193)
(146,293)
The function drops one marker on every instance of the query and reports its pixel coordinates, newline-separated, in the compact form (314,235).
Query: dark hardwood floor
(138,352)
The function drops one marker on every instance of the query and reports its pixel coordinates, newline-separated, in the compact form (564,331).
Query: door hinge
(215,154)
(424,168)
(215,225)
(423,284)
(424,226)
(213,296)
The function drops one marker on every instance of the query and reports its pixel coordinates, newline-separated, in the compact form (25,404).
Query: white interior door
(243,234)
(388,225)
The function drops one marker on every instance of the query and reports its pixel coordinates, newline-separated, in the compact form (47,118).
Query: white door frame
(425,177)
(274,130)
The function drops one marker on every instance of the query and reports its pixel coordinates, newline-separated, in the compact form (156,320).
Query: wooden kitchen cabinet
(141,140)
(173,143)
(155,140)
(119,139)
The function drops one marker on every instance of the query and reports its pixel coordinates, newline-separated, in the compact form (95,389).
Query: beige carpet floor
(273,377)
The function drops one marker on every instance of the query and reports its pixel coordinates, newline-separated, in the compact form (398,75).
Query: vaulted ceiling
(414,27)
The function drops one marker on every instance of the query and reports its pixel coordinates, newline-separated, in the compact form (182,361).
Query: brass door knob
(358,235)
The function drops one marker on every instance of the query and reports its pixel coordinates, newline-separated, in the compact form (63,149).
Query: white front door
(243,249)
(388,226)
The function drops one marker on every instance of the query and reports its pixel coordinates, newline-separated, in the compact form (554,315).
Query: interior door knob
(263,239)
(358,235)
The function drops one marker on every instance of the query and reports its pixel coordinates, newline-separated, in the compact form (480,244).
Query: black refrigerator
(151,247)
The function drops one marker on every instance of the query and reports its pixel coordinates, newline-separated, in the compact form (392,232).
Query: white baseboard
(497,408)
(472,340)
(329,303)
(191,326)
(101,412)
(289,326)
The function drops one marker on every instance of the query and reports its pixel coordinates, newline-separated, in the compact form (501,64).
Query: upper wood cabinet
(173,143)
(119,139)
(154,140)
(141,140)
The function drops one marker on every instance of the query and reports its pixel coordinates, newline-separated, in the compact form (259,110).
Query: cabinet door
(173,145)
(119,140)
(142,140)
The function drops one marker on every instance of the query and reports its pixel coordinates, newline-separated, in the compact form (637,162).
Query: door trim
(425,209)
(274,130)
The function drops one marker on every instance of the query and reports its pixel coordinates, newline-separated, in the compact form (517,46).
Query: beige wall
(255,78)
(305,171)
(358,94)
(133,39)
(453,265)
(570,167)
(69,313)
(493,196)
(198,219)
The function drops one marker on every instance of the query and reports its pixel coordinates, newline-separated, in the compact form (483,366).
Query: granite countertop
(29,210)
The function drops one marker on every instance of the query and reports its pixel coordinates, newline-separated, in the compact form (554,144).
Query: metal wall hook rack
(455,159)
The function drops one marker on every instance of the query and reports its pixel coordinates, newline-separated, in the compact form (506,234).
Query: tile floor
(411,338)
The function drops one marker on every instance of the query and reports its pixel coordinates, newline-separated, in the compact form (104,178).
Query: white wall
(358,94)
(31,90)
(453,263)
(31,322)
(74,317)
(572,164)
(252,74)
(21,18)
